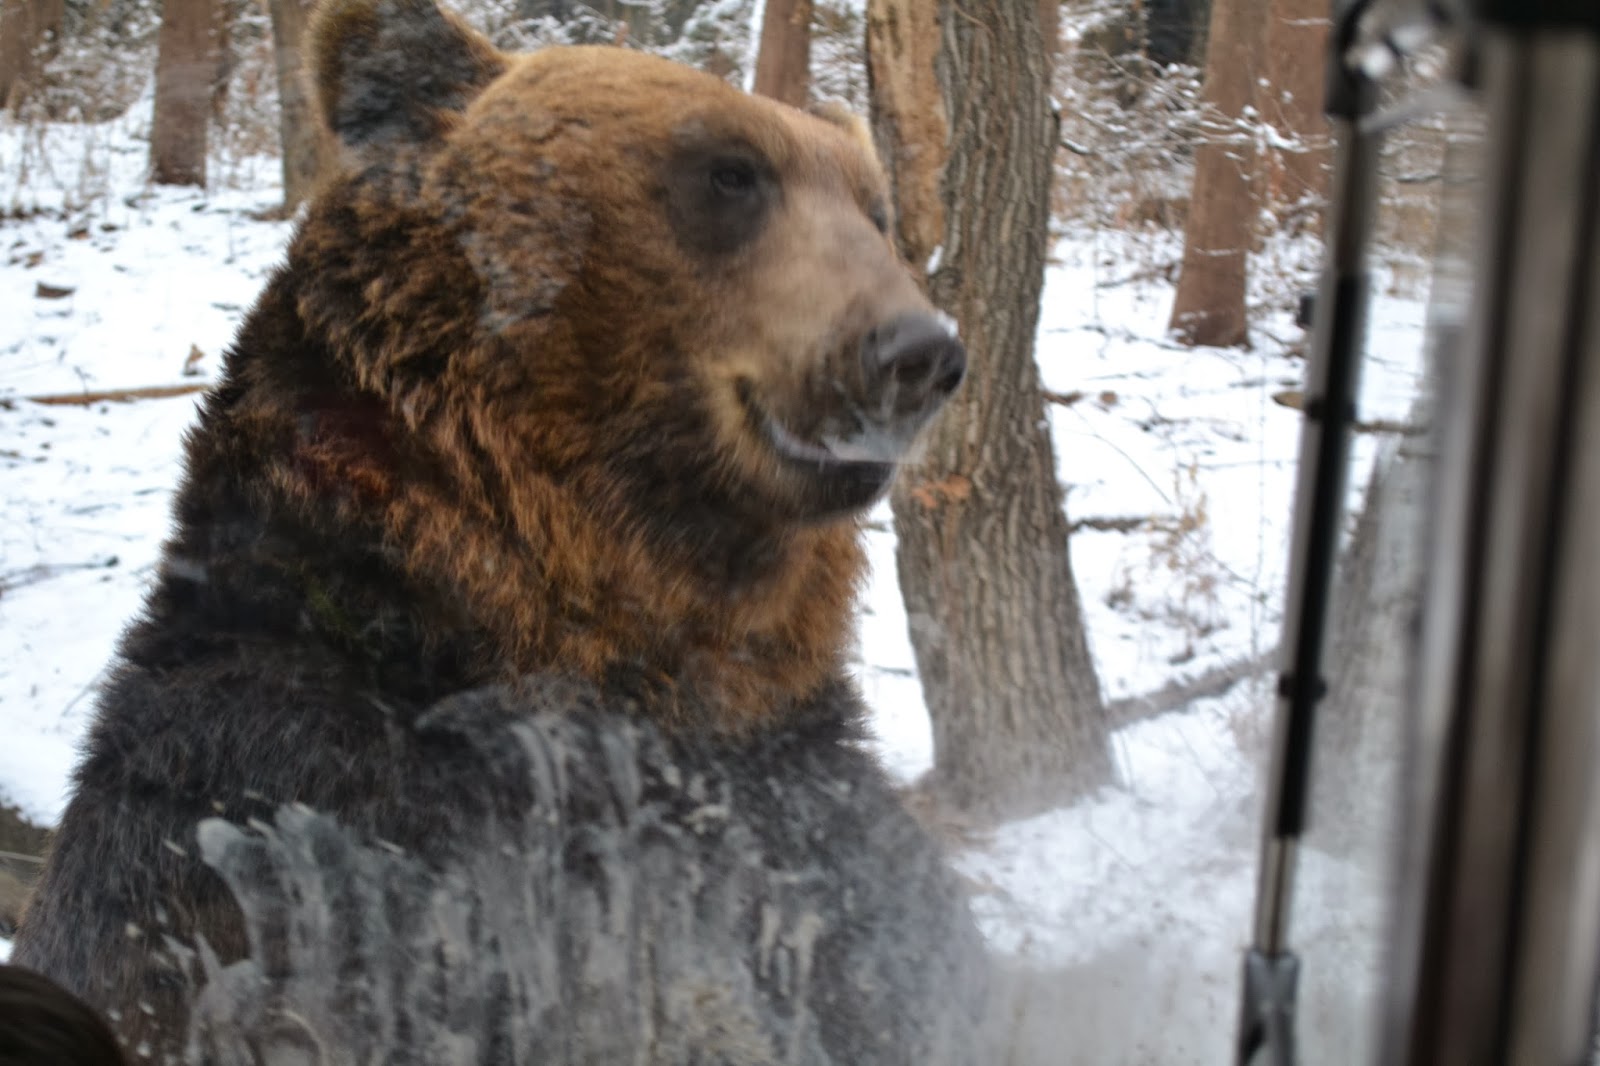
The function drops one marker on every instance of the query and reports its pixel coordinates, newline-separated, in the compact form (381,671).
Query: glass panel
(1364,760)
(1115,922)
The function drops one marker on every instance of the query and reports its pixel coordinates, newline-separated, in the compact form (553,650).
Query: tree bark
(1050,28)
(186,64)
(227,61)
(783,64)
(995,618)
(28,31)
(1210,305)
(908,120)
(300,133)
(1173,29)
(1295,172)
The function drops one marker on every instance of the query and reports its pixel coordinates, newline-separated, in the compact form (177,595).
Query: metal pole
(1271,971)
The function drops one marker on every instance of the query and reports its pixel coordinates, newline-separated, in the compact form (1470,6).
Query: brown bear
(525,520)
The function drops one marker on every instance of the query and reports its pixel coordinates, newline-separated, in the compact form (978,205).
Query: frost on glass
(615,897)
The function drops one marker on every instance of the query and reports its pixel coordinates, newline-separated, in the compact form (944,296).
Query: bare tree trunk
(1174,29)
(301,135)
(28,31)
(1050,27)
(222,77)
(908,120)
(186,64)
(1210,304)
(995,617)
(783,65)
(1295,172)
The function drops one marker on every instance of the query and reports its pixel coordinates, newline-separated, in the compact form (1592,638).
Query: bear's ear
(839,113)
(390,72)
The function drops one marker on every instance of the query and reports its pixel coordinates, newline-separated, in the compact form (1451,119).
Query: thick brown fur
(545,388)
(560,555)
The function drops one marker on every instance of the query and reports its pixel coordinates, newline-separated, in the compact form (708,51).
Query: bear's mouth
(816,457)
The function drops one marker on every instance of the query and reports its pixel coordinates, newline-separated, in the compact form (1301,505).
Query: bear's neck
(390,552)
(725,630)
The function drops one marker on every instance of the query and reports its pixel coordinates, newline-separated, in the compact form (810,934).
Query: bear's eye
(879,215)
(733,178)
(719,192)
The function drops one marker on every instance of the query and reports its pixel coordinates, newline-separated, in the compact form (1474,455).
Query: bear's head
(652,330)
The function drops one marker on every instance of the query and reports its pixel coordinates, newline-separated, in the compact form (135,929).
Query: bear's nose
(912,362)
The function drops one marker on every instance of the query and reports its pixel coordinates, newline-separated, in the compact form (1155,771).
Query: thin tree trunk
(222,77)
(1210,304)
(28,31)
(783,64)
(908,120)
(1174,29)
(299,131)
(186,64)
(1291,100)
(995,617)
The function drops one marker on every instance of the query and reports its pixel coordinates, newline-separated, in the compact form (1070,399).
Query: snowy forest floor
(1125,913)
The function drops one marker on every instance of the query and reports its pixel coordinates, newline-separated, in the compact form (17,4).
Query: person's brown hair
(42,1024)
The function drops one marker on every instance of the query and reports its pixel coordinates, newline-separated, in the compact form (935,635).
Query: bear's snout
(911,364)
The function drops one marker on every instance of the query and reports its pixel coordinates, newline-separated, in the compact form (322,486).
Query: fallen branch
(1117,523)
(33,575)
(1176,695)
(148,392)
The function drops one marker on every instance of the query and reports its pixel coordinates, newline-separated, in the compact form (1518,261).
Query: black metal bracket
(1541,14)
(1266,1032)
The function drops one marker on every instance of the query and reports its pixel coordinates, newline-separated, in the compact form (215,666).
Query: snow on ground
(1143,890)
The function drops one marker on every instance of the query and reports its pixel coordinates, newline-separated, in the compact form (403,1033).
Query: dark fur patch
(720,192)
(760,901)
